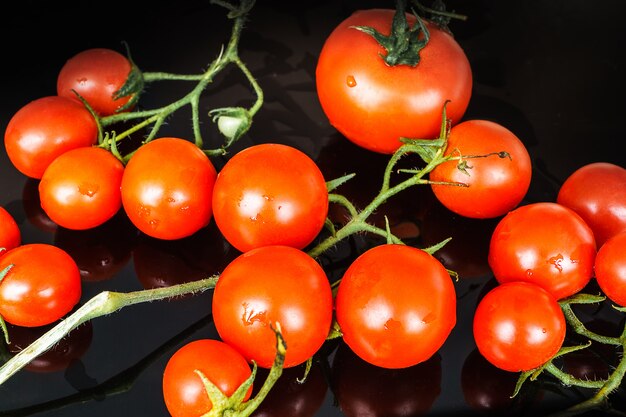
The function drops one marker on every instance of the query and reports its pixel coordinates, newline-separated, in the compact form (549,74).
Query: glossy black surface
(551,71)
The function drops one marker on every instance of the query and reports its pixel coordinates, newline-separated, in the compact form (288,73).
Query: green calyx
(404,43)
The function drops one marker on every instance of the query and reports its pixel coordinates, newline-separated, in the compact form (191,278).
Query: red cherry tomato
(610,268)
(10,233)
(44,129)
(41,287)
(518,326)
(184,392)
(372,103)
(396,306)
(96,75)
(544,243)
(80,189)
(167,188)
(270,194)
(267,285)
(597,192)
(495,184)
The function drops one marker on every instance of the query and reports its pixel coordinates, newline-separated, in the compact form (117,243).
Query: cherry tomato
(544,243)
(362,389)
(184,392)
(270,194)
(96,75)
(597,192)
(518,326)
(610,268)
(10,233)
(395,305)
(372,103)
(495,184)
(267,285)
(44,129)
(60,356)
(42,286)
(80,189)
(167,188)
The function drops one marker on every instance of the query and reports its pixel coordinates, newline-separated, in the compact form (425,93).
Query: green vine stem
(227,56)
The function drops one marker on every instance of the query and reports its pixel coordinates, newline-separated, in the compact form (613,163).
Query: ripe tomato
(96,75)
(544,243)
(495,185)
(597,192)
(372,103)
(167,188)
(10,233)
(42,286)
(396,306)
(80,189)
(44,129)
(610,268)
(267,285)
(270,194)
(183,390)
(518,326)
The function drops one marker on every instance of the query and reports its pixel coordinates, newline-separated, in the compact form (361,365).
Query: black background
(551,71)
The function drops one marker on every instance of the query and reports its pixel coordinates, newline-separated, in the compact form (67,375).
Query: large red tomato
(544,243)
(44,129)
(96,75)
(10,233)
(267,285)
(270,194)
(518,326)
(597,192)
(373,103)
(395,306)
(495,183)
(167,188)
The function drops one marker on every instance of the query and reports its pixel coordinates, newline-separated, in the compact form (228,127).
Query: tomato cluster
(395,305)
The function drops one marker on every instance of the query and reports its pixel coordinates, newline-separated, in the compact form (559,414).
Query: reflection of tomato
(597,192)
(10,234)
(100,252)
(395,305)
(67,350)
(467,252)
(373,103)
(486,387)
(32,207)
(362,389)
(544,243)
(290,398)
(495,184)
(163,263)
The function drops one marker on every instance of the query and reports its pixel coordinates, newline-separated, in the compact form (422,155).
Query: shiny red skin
(374,104)
(10,233)
(597,192)
(544,243)
(518,326)
(44,129)
(610,268)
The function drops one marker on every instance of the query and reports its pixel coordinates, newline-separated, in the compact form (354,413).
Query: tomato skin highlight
(167,188)
(267,285)
(42,286)
(270,194)
(518,326)
(44,129)
(95,74)
(597,192)
(396,306)
(610,268)
(10,233)
(80,189)
(495,185)
(544,243)
(374,104)
(183,390)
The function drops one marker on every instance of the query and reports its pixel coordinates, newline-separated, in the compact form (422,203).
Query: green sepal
(133,86)
(332,184)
